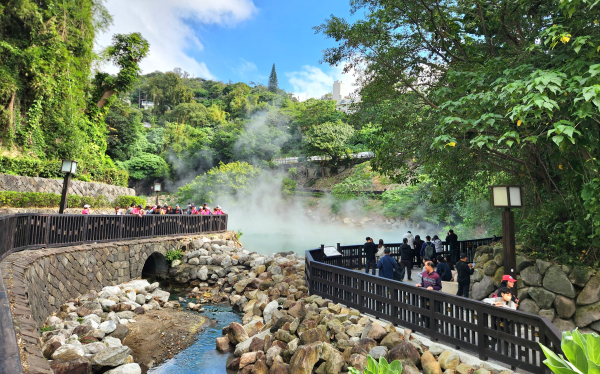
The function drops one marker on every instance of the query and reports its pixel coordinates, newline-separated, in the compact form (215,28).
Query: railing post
(481,342)
(47,238)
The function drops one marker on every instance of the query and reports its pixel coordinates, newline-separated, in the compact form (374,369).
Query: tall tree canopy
(494,92)
(273,85)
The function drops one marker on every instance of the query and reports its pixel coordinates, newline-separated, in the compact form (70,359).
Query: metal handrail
(33,231)
(505,335)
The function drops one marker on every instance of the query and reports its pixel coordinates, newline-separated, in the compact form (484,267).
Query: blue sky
(236,40)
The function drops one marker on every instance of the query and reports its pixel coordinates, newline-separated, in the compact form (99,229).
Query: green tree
(125,132)
(466,91)
(233,179)
(168,91)
(146,165)
(273,85)
(328,139)
(194,114)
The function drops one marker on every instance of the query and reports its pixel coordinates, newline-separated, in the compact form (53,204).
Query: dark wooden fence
(31,231)
(501,334)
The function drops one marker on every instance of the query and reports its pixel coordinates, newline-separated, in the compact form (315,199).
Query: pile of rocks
(86,335)
(284,330)
(568,296)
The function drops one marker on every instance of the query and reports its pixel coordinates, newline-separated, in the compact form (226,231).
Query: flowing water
(202,357)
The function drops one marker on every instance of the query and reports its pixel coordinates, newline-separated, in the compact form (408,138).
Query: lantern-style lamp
(157,189)
(68,167)
(508,197)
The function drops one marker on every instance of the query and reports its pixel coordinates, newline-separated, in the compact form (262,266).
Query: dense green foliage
(34,167)
(226,180)
(49,107)
(489,93)
(273,84)
(582,353)
(173,254)
(15,199)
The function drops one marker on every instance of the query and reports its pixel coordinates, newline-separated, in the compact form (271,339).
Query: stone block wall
(567,296)
(34,184)
(39,281)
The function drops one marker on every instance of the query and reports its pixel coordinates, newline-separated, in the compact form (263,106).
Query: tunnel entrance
(155,267)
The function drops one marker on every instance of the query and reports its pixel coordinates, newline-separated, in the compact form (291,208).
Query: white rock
(194,261)
(93,348)
(140,299)
(77,350)
(90,322)
(113,290)
(175,263)
(163,296)
(53,320)
(92,317)
(126,369)
(269,309)
(131,295)
(112,316)
(73,340)
(202,274)
(106,304)
(137,284)
(108,326)
(152,287)
(111,342)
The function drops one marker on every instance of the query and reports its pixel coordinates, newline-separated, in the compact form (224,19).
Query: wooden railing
(31,231)
(508,336)
(353,256)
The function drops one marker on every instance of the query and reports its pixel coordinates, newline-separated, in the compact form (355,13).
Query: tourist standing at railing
(370,250)
(452,242)
(380,249)
(177,210)
(189,208)
(417,251)
(386,265)
(439,247)
(463,276)
(406,255)
(118,211)
(86,209)
(507,282)
(443,269)
(431,279)
(218,211)
(411,239)
(503,300)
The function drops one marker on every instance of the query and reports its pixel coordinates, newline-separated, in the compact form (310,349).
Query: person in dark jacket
(452,242)
(431,279)
(463,277)
(370,250)
(406,255)
(177,210)
(443,270)
(417,251)
(386,265)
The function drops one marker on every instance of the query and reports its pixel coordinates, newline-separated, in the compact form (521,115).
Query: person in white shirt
(504,300)
(411,239)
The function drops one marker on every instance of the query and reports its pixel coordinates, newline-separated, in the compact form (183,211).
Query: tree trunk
(104,99)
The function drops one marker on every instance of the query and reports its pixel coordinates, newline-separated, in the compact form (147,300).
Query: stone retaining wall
(567,296)
(35,184)
(39,281)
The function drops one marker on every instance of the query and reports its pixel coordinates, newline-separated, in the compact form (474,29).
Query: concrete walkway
(447,287)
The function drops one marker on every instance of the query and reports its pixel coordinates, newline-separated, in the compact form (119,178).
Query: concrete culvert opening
(155,267)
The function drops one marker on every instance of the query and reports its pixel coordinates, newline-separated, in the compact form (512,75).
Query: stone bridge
(37,282)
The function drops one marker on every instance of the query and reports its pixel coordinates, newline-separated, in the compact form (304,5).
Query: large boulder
(378,352)
(74,366)
(483,289)
(490,268)
(305,358)
(269,310)
(556,280)
(542,297)
(364,346)
(111,357)
(591,292)
(120,332)
(313,335)
(357,361)
(587,314)
(377,332)
(392,339)
(563,324)
(579,276)
(529,306)
(565,307)
(236,333)
(542,266)
(223,344)
(548,313)
(405,352)
(449,360)
(531,276)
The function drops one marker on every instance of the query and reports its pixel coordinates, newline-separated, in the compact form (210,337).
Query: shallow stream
(202,356)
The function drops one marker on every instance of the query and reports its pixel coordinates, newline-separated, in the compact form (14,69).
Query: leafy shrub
(288,188)
(146,165)
(173,254)
(581,351)
(32,167)
(360,180)
(381,367)
(293,172)
(125,201)
(15,199)
(238,234)
(45,328)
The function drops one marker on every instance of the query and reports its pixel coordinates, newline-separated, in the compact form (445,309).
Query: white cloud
(163,24)
(312,81)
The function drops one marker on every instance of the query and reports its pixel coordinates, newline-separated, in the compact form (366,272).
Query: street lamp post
(508,197)
(157,188)
(68,167)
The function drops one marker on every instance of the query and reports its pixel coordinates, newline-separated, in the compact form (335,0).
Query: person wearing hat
(370,250)
(218,210)
(177,210)
(86,209)
(189,208)
(463,277)
(507,282)
(504,299)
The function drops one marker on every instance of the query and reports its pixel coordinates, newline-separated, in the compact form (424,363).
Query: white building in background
(343,100)
(146,104)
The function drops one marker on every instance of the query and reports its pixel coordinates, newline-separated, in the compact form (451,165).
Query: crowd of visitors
(139,210)
(437,267)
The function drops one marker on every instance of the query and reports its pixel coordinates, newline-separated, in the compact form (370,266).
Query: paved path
(447,287)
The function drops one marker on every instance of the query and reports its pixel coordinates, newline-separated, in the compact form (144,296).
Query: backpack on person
(430,250)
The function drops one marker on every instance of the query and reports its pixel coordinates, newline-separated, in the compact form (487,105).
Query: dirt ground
(158,335)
